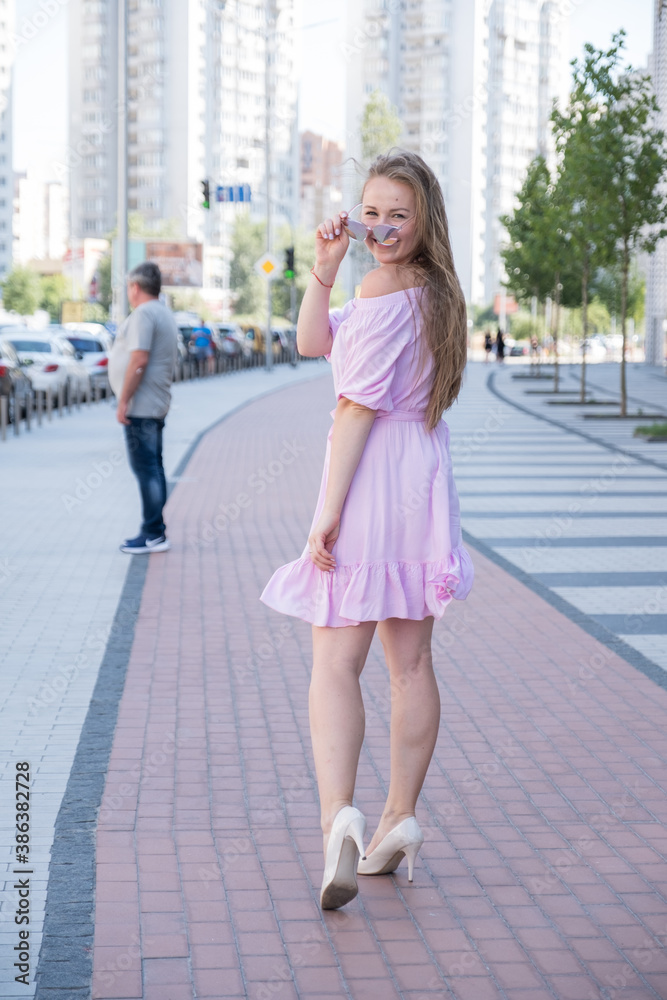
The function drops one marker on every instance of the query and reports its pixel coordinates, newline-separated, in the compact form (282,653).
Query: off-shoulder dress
(399,553)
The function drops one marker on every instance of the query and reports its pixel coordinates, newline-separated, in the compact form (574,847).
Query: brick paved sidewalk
(541,875)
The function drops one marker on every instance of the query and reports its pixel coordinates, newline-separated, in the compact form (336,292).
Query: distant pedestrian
(488,345)
(534,351)
(385,549)
(141,370)
(500,346)
(201,346)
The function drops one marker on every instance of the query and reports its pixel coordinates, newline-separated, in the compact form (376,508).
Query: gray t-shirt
(150,327)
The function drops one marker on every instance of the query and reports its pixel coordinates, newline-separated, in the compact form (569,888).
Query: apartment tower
(656,284)
(199,74)
(473,83)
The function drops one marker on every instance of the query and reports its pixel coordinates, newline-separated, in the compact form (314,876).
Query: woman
(500,346)
(488,346)
(385,545)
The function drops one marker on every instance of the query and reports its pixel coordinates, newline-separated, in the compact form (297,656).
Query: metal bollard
(78,396)
(39,403)
(61,400)
(3,418)
(16,415)
(28,411)
(49,403)
(97,392)
(69,398)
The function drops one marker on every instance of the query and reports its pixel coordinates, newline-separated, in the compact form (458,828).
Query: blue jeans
(143,437)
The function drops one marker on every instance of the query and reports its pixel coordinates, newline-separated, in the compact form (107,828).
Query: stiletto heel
(411,851)
(346,844)
(403,841)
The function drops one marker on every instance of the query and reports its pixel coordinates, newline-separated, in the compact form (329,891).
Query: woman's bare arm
(313,337)
(352,425)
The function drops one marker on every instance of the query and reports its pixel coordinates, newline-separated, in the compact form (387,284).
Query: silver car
(91,348)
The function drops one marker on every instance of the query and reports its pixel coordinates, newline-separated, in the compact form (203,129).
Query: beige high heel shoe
(345,845)
(403,841)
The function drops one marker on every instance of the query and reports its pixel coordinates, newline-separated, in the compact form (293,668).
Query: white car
(91,348)
(49,362)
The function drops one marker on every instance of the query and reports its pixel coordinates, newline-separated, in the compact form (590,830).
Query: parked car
(180,346)
(90,348)
(186,333)
(228,339)
(518,349)
(254,340)
(49,362)
(14,383)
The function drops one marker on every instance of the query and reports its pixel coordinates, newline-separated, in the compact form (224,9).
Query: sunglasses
(386,235)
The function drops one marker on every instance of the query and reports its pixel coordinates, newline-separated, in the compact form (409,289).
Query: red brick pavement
(542,874)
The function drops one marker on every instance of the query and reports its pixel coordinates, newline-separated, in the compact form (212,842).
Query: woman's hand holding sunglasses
(331,243)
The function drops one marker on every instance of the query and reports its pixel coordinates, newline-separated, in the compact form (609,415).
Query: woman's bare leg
(337,718)
(415,716)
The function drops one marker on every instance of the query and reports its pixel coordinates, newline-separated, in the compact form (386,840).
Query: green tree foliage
(630,152)
(608,202)
(380,126)
(248,244)
(526,252)
(607,285)
(21,291)
(53,290)
(583,173)
(140,228)
(535,254)
(105,293)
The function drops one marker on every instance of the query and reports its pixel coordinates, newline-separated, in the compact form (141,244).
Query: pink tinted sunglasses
(386,235)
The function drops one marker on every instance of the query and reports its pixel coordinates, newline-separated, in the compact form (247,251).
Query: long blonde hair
(443,307)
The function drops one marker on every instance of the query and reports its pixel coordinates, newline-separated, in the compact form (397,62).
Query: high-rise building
(199,75)
(40,219)
(321,195)
(473,83)
(526,71)
(656,284)
(7,49)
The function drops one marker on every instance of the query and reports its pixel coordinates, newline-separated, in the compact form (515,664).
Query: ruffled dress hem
(370,591)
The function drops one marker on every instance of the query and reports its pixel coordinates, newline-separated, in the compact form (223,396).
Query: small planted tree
(635,199)
(584,175)
(535,255)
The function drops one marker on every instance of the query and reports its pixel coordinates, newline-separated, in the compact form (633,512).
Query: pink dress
(399,552)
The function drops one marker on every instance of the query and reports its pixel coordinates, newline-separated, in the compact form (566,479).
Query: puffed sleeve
(336,317)
(365,369)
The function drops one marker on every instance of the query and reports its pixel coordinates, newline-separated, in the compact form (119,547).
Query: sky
(40,73)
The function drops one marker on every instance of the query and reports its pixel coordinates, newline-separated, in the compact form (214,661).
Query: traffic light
(289,272)
(206,192)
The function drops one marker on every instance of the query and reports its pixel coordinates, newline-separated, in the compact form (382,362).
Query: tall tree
(528,270)
(20,291)
(53,292)
(630,142)
(583,178)
(248,244)
(380,126)
(535,256)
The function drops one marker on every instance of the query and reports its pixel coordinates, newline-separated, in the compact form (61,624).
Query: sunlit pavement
(68,500)
(544,809)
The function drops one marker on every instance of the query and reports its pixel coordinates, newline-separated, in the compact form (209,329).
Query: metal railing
(42,405)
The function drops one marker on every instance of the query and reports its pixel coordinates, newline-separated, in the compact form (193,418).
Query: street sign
(268,267)
(233,192)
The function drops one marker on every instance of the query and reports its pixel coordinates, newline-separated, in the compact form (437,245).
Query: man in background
(141,370)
